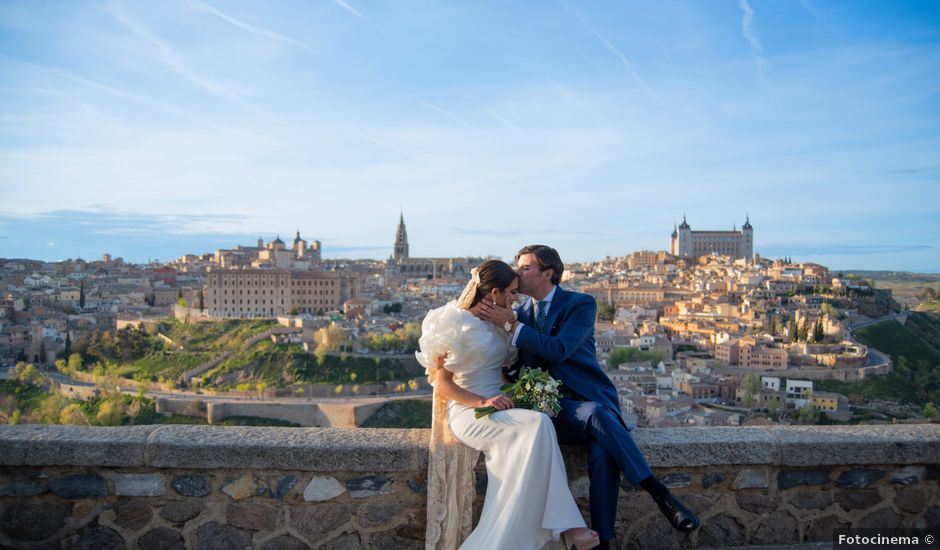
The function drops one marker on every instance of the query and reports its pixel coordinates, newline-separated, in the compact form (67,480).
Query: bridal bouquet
(535,389)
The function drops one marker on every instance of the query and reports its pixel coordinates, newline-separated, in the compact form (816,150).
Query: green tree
(818,334)
(75,362)
(750,388)
(200,300)
(930,410)
(606,311)
(68,344)
(81,294)
(320,353)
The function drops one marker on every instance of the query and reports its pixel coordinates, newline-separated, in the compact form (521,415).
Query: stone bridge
(240,487)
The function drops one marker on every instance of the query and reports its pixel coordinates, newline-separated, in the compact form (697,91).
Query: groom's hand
(498,315)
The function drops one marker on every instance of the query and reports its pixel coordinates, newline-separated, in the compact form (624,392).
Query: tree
(793,330)
(200,300)
(751,387)
(606,311)
(81,294)
(182,302)
(68,344)
(818,334)
(320,353)
(930,410)
(261,386)
(75,362)
(72,414)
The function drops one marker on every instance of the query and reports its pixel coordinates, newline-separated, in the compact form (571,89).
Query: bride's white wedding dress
(528,502)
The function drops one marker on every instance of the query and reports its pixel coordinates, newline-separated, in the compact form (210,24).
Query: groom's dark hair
(547,258)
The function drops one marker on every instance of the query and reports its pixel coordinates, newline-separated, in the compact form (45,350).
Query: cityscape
(225,225)
(708,333)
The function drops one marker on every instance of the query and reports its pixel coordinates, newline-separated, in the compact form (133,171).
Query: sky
(149,130)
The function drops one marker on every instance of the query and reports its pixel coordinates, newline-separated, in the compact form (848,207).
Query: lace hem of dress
(450,483)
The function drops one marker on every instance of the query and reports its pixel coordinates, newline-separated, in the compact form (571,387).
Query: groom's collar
(552,294)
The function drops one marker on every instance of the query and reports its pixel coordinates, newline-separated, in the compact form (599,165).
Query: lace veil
(450,462)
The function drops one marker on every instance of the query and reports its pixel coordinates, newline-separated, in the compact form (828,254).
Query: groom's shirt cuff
(515,335)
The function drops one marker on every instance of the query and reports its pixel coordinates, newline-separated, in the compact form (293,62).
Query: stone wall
(213,487)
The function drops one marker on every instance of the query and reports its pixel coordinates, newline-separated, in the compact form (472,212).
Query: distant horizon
(158,129)
(126,245)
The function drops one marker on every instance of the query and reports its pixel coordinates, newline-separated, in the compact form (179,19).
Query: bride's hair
(484,278)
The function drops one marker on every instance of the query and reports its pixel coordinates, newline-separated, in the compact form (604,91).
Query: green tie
(540,315)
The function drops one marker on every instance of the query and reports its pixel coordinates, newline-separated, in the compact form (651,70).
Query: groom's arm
(574,330)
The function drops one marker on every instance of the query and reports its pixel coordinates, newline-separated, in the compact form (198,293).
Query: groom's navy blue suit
(591,416)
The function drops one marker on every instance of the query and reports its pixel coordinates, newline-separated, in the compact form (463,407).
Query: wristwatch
(507,326)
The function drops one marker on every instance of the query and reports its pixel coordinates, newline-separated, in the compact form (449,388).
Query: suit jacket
(565,347)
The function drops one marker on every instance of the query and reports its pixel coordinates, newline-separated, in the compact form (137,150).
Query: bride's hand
(499,402)
(496,314)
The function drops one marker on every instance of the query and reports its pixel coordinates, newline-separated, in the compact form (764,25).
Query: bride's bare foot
(581,538)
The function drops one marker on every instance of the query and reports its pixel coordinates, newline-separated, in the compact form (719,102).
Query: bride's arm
(450,390)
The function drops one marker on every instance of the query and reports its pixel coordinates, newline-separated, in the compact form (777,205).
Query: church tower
(401,241)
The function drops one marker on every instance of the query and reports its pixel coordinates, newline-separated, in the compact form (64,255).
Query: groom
(555,331)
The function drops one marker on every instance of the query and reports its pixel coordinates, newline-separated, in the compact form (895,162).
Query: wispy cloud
(748,33)
(838,249)
(253,29)
(627,66)
(386,144)
(359,15)
(503,120)
(153,103)
(165,53)
(447,114)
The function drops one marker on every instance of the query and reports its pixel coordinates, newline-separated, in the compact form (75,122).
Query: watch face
(508,326)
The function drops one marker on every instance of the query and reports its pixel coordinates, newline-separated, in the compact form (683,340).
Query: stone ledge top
(362,450)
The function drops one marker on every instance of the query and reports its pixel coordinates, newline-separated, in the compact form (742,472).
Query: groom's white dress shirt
(548,304)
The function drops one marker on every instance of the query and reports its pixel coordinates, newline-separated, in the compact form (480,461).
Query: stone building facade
(268,293)
(736,244)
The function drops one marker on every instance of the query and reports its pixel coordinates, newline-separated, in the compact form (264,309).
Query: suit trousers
(611,450)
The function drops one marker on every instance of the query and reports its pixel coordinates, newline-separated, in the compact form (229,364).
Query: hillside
(915,350)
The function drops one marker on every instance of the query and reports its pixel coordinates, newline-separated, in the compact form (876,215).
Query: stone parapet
(201,486)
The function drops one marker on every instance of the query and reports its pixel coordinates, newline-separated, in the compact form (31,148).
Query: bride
(528,503)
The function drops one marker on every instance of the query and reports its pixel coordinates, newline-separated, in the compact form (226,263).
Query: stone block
(98,538)
(418,484)
(251,516)
(323,488)
(132,514)
(79,486)
(191,485)
(246,486)
(315,520)
(681,447)
(348,541)
(909,475)
(580,487)
(812,501)
(216,536)
(139,485)
(676,481)
(911,499)
(931,519)
(386,541)
(19,487)
(181,511)
(657,533)
(885,518)
(303,449)
(710,480)
(284,542)
(721,531)
(857,500)
(788,479)
(161,538)
(284,486)
(757,503)
(415,527)
(369,486)
(778,528)
(857,445)
(859,478)
(33,520)
(372,516)
(751,479)
(45,445)
(821,529)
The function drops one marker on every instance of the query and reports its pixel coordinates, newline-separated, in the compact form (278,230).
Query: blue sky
(155,129)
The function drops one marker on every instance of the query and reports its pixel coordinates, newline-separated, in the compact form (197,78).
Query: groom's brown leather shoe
(677,513)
